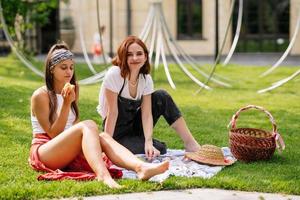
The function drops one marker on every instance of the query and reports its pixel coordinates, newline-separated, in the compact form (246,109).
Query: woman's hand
(150,151)
(68,93)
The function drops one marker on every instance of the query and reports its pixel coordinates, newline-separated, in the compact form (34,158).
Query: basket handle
(236,115)
(279,141)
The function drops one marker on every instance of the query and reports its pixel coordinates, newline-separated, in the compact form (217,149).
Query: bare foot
(110,182)
(146,170)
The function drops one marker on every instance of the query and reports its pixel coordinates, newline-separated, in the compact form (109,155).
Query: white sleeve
(148,86)
(113,80)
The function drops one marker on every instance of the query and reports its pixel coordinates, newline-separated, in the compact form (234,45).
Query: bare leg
(122,157)
(190,144)
(61,150)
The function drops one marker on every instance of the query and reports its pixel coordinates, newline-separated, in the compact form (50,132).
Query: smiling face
(136,57)
(63,71)
(132,56)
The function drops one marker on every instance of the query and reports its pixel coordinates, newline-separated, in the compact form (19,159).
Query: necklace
(133,84)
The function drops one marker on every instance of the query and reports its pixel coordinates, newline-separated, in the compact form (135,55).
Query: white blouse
(36,127)
(114,82)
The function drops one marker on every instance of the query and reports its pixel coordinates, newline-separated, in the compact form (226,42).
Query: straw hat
(209,154)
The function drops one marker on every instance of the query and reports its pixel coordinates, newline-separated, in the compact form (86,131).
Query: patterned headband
(60,55)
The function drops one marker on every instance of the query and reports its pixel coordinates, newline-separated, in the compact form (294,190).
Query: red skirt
(78,169)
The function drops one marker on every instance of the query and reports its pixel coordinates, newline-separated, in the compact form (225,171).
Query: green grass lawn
(207,115)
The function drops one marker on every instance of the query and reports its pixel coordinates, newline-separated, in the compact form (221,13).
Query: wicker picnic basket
(251,144)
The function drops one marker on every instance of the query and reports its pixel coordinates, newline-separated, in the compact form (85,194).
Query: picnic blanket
(179,166)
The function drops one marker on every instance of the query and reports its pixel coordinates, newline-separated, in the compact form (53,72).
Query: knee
(161,93)
(89,124)
(104,136)
(160,96)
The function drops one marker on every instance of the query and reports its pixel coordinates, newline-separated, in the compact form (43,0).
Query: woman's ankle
(191,146)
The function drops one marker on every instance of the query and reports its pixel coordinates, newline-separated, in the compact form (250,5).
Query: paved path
(197,194)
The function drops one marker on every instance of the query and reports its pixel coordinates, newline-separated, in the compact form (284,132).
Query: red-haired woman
(130,107)
(59,137)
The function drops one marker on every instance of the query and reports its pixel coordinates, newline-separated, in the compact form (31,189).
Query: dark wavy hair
(121,58)
(50,84)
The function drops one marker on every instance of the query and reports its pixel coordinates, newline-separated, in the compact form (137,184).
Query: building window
(265,26)
(189,19)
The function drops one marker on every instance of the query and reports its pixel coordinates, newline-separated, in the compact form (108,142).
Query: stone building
(267,26)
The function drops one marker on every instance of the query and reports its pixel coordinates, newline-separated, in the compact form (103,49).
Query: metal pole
(100,32)
(128,17)
(57,17)
(217,29)
(111,28)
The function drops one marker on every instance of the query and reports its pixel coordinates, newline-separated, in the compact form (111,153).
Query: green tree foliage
(32,13)
(36,11)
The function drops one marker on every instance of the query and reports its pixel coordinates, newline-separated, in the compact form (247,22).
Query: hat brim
(208,161)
